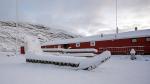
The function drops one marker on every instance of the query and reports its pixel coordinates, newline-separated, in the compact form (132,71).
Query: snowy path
(14,70)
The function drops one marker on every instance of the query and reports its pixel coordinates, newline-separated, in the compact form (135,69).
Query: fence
(124,49)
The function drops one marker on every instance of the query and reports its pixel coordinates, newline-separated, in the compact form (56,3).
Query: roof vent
(136,28)
(102,35)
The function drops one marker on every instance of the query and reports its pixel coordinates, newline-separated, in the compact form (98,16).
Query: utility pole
(16,25)
(117,30)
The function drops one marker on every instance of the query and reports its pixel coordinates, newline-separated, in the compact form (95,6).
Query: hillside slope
(9,33)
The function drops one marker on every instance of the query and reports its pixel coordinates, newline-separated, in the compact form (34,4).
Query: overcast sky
(85,17)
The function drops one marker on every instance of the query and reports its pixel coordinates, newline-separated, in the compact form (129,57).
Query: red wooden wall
(116,46)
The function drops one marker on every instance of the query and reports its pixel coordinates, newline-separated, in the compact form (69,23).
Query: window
(134,40)
(65,46)
(92,43)
(59,46)
(147,39)
(77,44)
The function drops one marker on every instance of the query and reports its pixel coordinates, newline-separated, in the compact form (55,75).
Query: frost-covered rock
(132,51)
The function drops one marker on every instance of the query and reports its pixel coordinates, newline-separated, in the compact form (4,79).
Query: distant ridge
(9,33)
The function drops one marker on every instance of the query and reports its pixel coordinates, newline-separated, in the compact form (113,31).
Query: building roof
(130,34)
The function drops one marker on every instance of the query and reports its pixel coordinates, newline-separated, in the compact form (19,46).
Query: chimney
(117,30)
(101,35)
(136,28)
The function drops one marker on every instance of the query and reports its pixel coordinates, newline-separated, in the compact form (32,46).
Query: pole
(117,17)
(16,24)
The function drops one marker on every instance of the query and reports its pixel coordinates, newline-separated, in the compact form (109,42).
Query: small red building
(22,50)
(120,43)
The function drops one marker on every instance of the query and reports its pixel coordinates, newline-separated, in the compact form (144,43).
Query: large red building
(120,43)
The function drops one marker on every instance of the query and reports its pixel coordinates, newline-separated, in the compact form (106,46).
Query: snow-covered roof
(130,34)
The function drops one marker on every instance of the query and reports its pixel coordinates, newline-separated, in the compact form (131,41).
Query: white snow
(72,54)
(118,70)
(130,34)
(32,45)
(77,54)
(70,50)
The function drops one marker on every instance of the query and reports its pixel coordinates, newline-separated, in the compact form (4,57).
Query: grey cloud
(7,9)
(133,5)
(89,16)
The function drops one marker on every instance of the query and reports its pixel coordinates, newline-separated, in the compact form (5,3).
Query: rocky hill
(10,35)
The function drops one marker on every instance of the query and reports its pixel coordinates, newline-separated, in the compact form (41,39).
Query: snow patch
(33,45)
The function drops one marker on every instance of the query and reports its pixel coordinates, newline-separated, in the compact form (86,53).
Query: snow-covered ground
(118,70)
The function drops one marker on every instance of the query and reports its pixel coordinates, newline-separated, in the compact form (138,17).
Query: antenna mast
(16,24)
(117,30)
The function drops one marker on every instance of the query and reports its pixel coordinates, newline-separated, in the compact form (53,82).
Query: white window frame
(92,43)
(77,44)
(134,40)
(148,39)
(59,46)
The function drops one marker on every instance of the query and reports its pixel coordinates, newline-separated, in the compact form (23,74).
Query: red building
(121,43)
